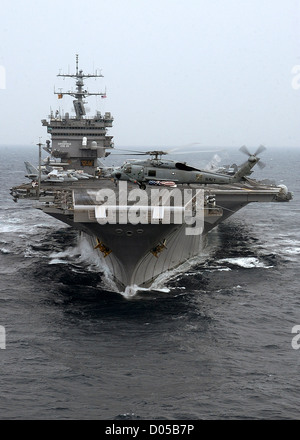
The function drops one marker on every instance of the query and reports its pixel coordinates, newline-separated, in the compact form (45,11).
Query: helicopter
(157,170)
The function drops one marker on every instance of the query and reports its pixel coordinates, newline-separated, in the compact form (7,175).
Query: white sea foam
(8,228)
(245,262)
(130,291)
(217,269)
(292,250)
(133,290)
(58,261)
(69,253)
(284,246)
(83,254)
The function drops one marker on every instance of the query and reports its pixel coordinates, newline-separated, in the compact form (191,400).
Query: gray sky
(214,72)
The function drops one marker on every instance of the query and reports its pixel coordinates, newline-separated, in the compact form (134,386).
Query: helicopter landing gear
(140,184)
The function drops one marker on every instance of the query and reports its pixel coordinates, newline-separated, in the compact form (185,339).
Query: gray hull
(133,264)
(128,251)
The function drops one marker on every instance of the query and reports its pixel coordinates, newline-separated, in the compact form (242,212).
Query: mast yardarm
(80,93)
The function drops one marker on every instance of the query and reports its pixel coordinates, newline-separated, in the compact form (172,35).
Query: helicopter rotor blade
(261,165)
(129,154)
(128,151)
(245,150)
(141,152)
(156,152)
(176,150)
(260,149)
(195,151)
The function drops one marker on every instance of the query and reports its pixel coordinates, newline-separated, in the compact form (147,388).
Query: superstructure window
(100,135)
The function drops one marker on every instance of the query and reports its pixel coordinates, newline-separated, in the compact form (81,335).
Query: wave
(58,261)
(245,262)
(292,251)
(81,256)
(132,291)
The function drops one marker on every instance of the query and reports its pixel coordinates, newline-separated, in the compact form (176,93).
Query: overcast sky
(177,72)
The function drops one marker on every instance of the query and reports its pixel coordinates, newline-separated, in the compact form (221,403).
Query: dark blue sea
(213,343)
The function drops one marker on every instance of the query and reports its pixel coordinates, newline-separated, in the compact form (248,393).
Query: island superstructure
(80,140)
(136,237)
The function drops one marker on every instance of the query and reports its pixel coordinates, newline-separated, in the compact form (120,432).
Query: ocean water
(213,342)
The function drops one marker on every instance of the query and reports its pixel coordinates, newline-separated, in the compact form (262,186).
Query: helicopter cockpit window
(152,173)
(127,168)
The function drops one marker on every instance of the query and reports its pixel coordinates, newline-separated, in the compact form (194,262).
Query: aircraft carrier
(137,230)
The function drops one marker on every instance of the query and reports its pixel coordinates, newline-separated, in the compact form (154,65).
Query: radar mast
(80,93)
